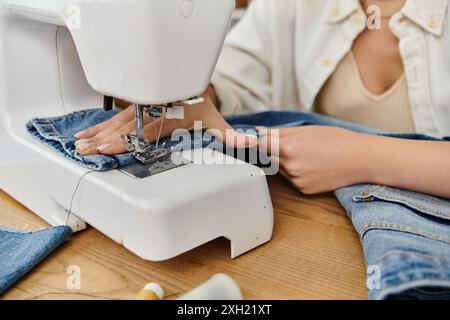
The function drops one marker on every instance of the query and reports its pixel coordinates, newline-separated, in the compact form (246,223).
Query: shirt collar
(429,14)
(341,9)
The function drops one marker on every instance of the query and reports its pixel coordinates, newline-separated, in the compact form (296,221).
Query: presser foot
(144,151)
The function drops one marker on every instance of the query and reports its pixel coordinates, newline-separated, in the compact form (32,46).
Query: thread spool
(151,291)
(219,287)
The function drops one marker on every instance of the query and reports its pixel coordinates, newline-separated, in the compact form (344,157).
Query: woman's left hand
(318,159)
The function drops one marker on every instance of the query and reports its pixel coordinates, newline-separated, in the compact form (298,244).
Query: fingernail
(82,141)
(103,147)
(79,134)
(84,146)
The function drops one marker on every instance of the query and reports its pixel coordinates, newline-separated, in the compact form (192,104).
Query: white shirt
(282,53)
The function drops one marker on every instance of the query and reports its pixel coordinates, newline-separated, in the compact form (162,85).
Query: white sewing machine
(60,56)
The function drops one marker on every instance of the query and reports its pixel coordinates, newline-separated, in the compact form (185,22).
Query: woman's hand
(317,159)
(106,138)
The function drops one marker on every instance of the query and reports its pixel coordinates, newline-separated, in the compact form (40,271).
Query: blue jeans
(58,134)
(405,235)
(20,252)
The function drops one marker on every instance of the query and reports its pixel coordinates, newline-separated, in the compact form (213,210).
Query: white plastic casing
(42,75)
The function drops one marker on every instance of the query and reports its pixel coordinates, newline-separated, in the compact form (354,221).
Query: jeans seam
(12,231)
(415,254)
(430,199)
(414,205)
(416,196)
(374,188)
(64,117)
(397,227)
(372,192)
(412,284)
(52,127)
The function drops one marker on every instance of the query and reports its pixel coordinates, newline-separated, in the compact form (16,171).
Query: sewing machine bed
(157,216)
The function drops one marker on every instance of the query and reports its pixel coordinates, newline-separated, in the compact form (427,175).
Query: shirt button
(432,23)
(335,12)
(356,19)
(326,62)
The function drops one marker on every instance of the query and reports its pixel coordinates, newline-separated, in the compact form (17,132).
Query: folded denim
(405,235)
(58,133)
(20,252)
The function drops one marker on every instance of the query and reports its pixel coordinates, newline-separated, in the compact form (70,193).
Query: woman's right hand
(106,138)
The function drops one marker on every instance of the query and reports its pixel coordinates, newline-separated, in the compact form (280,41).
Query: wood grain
(315,254)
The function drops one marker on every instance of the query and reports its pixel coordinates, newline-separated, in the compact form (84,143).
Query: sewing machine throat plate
(139,170)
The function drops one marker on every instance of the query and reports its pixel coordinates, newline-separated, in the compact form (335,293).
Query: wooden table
(315,254)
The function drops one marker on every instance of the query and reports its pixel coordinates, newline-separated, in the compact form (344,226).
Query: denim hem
(394,290)
(15,231)
(426,204)
(403,271)
(58,134)
(364,229)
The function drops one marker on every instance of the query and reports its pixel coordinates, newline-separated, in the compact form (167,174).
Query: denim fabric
(58,134)
(405,235)
(20,252)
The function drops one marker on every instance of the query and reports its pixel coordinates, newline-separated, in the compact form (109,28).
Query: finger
(104,135)
(112,141)
(278,132)
(271,145)
(91,132)
(269,140)
(160,128)
(233,139)
(296,182)
(114,145)
(86,148)
(116,121)
(285,174)
(238,140)
(275,163)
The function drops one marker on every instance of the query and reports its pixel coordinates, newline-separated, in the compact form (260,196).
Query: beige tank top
(345,97)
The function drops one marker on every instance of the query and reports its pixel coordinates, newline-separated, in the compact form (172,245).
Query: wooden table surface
(314,254)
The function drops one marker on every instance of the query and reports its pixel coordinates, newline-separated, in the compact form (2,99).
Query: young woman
(331,57)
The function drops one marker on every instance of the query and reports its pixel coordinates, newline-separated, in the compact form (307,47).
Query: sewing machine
(61,56)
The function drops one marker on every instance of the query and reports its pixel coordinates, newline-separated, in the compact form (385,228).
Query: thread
(69,213)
